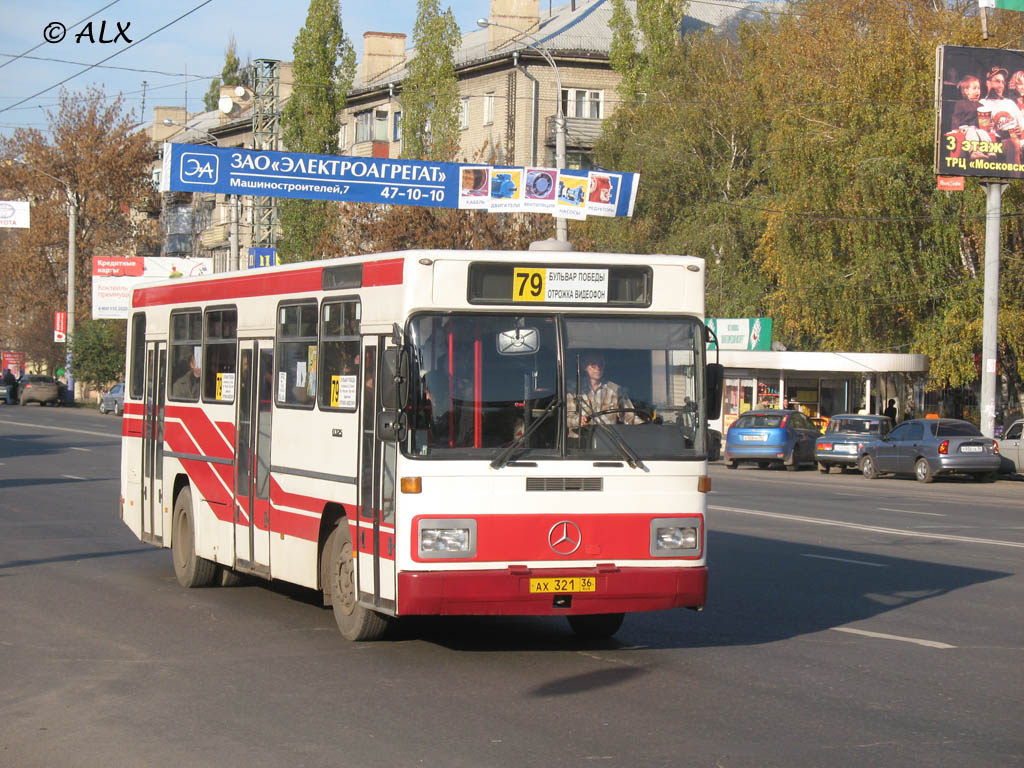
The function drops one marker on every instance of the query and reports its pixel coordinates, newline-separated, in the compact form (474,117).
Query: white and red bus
(423,432)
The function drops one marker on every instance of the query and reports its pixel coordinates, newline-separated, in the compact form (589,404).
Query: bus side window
(186,355)
(221,347)
(138,362)
(297,356)
(339,355)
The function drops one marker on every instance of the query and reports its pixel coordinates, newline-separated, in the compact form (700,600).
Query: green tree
(323,68)
(430,92)
(93,147)
(232,74)
(641,44)
(98,351)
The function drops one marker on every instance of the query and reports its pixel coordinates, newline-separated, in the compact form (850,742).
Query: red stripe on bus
(387,272)
(266,283)
(210,441)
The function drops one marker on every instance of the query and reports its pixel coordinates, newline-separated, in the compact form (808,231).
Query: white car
(1011,446)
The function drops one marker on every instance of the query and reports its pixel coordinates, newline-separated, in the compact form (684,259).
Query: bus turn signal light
(412,485)
(704,484)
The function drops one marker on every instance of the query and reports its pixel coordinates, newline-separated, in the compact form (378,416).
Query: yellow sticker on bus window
(528,284)
(335,391)
(220,387)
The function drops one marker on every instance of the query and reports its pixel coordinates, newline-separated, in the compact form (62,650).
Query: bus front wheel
(191,570)
(356,622)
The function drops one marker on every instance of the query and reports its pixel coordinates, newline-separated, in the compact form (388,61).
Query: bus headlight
(676,537)
(446,538)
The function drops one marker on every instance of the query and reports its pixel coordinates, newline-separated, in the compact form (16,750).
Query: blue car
(771,436)
(846,433)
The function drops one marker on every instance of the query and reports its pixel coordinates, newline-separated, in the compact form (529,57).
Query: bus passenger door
(252,456)
(375,542)
(153,444)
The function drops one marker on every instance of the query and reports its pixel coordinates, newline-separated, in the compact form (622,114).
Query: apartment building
(509,92)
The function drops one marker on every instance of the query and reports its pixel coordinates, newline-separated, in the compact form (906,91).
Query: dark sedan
(113,400)
(925,448)
(846,433)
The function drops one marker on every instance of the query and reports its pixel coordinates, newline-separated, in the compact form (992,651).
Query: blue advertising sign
(230,171)
(262,257)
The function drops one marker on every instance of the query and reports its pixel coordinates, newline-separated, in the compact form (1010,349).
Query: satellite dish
(225,105)
(239,92)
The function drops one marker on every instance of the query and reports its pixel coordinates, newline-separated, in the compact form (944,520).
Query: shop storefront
(820,384)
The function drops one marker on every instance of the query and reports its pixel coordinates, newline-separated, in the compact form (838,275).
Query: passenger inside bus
(186,386)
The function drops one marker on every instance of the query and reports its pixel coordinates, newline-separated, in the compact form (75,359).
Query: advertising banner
(746,333)
(979,121)
(13,361)
(60,327)
(14,213)
(230,171)
(113,279)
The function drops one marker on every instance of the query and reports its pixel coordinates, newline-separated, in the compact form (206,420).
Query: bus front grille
(565,484)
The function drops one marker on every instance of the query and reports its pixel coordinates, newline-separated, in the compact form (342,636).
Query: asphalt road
(850,623)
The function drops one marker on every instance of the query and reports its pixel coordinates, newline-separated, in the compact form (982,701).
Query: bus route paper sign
(392,181)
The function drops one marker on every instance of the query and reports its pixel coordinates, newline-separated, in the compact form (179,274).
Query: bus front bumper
(507,592)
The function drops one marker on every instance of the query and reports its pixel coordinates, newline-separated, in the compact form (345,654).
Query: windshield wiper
(506,453)
(632,457)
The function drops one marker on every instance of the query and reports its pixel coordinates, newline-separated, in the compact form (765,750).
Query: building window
(398,126)
(580,102)
(488,108)
(372,125)
(342,136)
(464,113)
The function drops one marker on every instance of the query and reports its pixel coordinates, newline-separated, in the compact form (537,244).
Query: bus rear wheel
(356,622)
(596,626)
(191,570)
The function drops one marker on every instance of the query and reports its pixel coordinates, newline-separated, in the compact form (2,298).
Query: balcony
(580,132)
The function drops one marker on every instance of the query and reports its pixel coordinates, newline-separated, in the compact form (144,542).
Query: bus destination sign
(560,285)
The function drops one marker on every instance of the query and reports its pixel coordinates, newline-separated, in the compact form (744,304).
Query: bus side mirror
(391,426)
(394,384)
(714,374)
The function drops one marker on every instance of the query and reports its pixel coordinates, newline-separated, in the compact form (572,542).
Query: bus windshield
(549,386)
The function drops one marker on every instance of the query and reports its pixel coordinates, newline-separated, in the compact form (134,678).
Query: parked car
(714,445)
(846,432)
(764,437)
(1011,448)
(113,400)
(38,389)
(3,392)
(925,448)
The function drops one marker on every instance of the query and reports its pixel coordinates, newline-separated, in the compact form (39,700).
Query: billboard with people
(979,95)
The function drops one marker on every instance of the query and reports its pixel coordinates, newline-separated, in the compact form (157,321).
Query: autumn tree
(98,350)
(430,92)
(93,149)
(323,68)
(233,73)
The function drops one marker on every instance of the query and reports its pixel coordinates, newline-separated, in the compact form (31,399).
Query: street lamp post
(561,226)
(72,258)
(233,236)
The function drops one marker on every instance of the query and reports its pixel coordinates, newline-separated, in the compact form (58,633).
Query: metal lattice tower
(266,129)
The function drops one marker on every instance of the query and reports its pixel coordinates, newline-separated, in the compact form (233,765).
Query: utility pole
(990,327)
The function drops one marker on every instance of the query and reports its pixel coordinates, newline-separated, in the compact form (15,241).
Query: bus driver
(598,395)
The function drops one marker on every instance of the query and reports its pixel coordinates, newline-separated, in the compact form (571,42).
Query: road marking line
(883,636)
(73,477)
(910,512)
(114,435)
(76,448)
(871,528)
(844,560)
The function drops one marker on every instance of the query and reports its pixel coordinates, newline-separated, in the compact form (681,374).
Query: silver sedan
(925,448)
(1011,447)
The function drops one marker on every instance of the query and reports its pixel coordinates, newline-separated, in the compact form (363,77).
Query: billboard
(14,213)
(390,181)
(746,333)
(979,121)
(113,279)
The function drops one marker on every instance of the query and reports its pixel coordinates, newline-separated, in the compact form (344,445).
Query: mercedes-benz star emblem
(564,538)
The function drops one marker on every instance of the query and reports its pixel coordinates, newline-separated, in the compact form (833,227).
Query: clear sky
(176,46)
